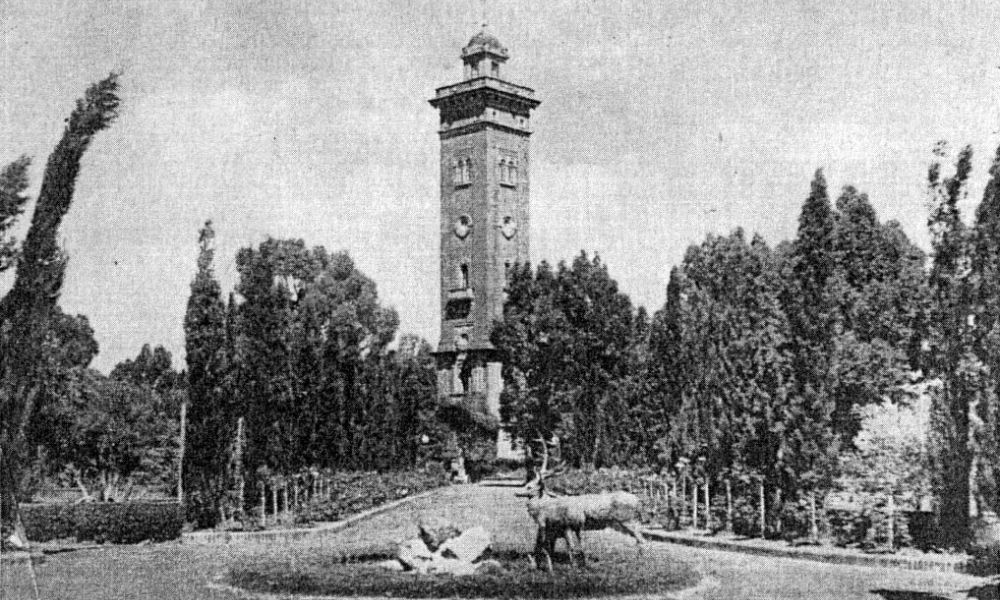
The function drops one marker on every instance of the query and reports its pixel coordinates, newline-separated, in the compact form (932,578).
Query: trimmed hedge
(117,523)
(354,492)
(593,481)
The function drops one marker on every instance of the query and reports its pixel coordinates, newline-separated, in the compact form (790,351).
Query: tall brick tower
(485,126)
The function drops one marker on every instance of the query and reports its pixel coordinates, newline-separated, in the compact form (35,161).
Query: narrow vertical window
(503,170)
(468,170)
(463,276)
(495,70)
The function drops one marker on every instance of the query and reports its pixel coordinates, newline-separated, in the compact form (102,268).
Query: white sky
(660,121)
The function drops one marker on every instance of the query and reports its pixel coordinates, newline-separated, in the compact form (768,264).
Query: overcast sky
(660,121)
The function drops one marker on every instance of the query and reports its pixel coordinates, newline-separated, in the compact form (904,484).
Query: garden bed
(611,573)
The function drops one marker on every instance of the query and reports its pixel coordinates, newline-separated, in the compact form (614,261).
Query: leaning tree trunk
(26,310)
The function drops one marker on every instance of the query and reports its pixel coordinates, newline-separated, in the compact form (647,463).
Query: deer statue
(560,516)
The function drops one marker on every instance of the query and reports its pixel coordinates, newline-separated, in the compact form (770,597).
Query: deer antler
(543,470)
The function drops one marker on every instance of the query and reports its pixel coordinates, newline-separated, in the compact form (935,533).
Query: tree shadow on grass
(990,591)
(908,595)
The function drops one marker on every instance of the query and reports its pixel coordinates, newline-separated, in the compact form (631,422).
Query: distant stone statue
(458,474)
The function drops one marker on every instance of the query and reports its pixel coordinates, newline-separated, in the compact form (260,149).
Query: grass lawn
(173,571)
(614,572)
(168,571)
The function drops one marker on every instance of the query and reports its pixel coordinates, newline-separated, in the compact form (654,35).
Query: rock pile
(443,548)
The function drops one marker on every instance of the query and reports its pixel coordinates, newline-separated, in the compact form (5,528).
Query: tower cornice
(479,125)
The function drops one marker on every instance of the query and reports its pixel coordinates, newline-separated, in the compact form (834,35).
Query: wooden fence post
(694,504)
(729,505)
(238,466)
(763,507)
(263,504)
(284,498)
(684,495)
(813,525)
(708,505)
(180,458)
(892,518)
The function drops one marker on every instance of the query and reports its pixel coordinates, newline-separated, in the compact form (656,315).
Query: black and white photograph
(499,299)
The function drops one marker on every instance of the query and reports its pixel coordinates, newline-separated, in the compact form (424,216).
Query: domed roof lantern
(483,55)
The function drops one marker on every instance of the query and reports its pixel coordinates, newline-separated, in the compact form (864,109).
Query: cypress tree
(950,356)
(26,310)
(986,270)
(210,424)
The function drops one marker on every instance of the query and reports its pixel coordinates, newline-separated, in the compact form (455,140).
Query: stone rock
(450,566)
(489,567)
(435,531)
(414,555)
(467,547)
(392,565)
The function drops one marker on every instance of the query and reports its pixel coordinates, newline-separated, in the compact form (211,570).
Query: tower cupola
(483,56)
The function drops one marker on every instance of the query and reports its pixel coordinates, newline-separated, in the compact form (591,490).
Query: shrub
(848,527)
(593,481)
(354,492)
(985,560)
(868,527)
(796,520)
(746,517)
(117,523)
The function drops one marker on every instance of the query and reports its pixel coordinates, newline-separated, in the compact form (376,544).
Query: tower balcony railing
(485,82)
(461,293)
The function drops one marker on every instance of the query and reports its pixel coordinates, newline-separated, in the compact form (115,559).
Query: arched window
(495,69)
(463,276)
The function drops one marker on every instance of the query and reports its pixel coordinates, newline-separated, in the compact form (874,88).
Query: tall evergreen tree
(26,364)
(210,421)
(986,271)
(310,337)
(950,354)
(877,294)
(13,183)
(668,369)
(566,341)
(810,410)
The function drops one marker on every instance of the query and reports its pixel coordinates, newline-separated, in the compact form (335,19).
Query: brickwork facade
(485,128)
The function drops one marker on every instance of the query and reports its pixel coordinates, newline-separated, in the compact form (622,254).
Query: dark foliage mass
(301,355)
(116,523)
(756,368)
(357,491)
(30,350)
